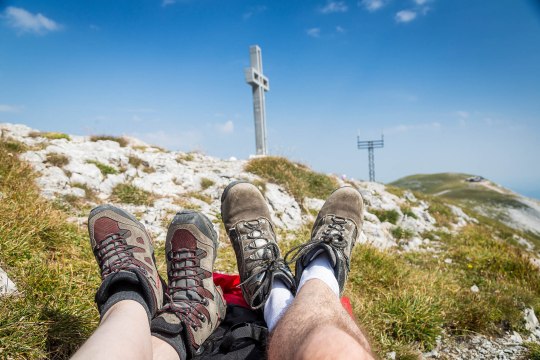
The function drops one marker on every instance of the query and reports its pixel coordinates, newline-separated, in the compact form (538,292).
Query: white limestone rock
(7,287)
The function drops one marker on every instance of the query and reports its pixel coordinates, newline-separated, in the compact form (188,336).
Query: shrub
(56,159)
(120,140)
(104,168)
(298,179)
(130,194)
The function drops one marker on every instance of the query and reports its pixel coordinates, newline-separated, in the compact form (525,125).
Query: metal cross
(259,85)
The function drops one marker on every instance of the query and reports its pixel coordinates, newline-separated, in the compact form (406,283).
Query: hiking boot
(335,232)
(247,220)
(125,254)
(195,305)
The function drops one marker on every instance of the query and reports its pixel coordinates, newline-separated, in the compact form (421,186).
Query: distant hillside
(478,194)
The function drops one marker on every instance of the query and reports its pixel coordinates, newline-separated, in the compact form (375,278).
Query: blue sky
(453,84)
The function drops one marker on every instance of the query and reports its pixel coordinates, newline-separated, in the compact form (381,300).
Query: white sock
(277,303)
(321,269)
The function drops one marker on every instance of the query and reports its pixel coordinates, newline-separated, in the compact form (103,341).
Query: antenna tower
(370,145)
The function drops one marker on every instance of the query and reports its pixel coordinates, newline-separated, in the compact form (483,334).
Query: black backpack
(241,335)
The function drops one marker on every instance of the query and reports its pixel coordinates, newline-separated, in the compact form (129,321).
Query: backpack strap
(242,332)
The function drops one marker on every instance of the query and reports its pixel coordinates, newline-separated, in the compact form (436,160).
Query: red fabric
(233,293)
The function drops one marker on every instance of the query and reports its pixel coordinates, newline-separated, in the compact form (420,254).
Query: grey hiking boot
(195,304)
(125,254)
(247,220)
(334,233)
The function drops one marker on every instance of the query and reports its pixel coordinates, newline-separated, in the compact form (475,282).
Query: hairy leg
(316,326)
(124,333)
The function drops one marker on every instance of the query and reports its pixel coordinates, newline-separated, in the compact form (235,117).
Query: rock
(448,261)
(475,289)
(531,321)
(7,287)
(391,355)
(284,209)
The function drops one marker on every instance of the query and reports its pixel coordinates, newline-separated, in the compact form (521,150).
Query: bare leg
(316,326)
(163,351)
(124,333)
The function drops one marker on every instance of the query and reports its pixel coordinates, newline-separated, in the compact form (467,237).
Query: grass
(401,233)
(130,194)
(197,195)
(137,162)
(299,180)
(56,159)
(406,210)
(404,301)
(104,168)
(391,216)
(185,203)
(120,140)
(52,265)
(185,157)
(49,135)
(533,350)
(206,183)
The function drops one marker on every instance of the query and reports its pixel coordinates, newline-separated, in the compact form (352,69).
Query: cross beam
(259,85)
(370,145)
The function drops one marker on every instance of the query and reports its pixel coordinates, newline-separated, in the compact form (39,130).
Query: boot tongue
(184,266)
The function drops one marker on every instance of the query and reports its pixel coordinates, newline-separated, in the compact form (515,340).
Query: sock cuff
(124,294)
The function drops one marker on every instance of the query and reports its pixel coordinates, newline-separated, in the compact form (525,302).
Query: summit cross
(259,85)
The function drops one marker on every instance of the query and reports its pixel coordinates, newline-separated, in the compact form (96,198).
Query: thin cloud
(314,32)
(334,7)
(26,22)
(411,127)
(420,2)
(226,128)
(372,5)
(463,114)
(9,108)
(254,11)
(405,16)
(340,29)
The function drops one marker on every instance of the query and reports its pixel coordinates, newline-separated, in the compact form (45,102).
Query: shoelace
(188,268)
(114,245)
(268,263)
(332,235)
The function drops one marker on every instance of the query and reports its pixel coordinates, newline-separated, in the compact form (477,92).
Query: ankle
(321,269)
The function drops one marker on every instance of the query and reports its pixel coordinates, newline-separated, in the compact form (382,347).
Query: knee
(330,342)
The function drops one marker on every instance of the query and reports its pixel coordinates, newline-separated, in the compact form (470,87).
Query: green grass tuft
(104,168)
(130,194)
(185,157)
(401,233)
(49,135)
(298,179)
(533,350)
(391,216)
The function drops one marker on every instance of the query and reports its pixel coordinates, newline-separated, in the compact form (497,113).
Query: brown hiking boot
(334,233)
(124,252)
(247,221)
(195,304)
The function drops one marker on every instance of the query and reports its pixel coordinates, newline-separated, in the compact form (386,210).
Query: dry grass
(298,179)
(120,140)
(130,194)
(49,135)
(56,159)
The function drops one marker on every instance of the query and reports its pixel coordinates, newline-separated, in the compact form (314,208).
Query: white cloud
(372,5)
(405,16)
(420,2)
(25,21)
(226,128)
(340,30)
(334,7)
(168,2)
(9,108)
(314,32)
